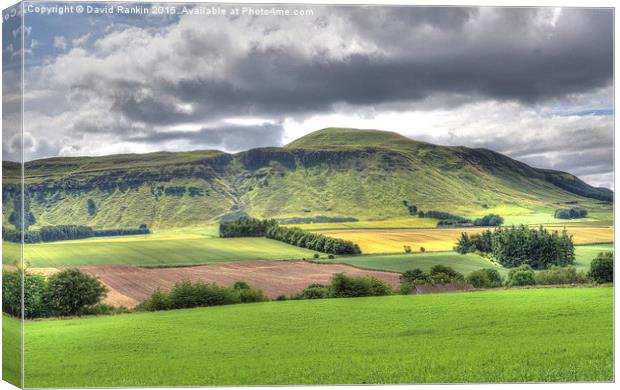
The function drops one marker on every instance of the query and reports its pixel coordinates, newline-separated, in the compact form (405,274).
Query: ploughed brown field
(131,285)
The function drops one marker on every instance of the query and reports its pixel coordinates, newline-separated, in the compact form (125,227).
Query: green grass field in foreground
(177,250)
(11,350)
(535,335)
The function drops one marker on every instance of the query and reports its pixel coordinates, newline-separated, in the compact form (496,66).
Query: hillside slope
(362,174)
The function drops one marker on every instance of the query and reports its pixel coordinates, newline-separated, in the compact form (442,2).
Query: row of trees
(250,227)
(69,292)
(514,246)
(445,219)
(313,241)
(572,213)
(246,227)
(66,232)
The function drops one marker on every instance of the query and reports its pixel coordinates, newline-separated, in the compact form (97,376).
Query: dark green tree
(602,268)
(71,290)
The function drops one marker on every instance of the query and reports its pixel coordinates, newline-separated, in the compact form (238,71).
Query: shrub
(186,294)
(489,220)
(479,279)
(407,248)
(70,291)
(343,286)
(496,280)
(315,291)
(331,257)
(572,213)
(157,301)
(422,249)
(438,271)
(602,268)
(34,290)
(521,276)
(405,288)
(414,276)
(241,285)
(250,295)
(316,255)
(281,297)
(560,275)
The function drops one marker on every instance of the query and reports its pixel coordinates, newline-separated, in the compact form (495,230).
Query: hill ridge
(333,172)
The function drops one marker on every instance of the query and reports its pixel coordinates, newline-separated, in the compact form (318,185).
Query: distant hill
(334,172)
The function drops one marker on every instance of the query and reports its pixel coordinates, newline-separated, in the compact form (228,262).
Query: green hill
(337,173)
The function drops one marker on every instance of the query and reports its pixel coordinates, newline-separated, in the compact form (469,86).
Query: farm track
(130,285)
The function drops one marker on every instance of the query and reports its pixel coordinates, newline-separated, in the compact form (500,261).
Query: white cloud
(60,43)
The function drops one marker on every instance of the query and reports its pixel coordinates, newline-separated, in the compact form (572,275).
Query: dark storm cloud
(231,138)
(508,57)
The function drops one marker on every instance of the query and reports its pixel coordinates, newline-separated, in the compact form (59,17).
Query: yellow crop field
(393,241)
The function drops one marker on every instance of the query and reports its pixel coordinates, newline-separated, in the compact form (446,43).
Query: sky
(533,83)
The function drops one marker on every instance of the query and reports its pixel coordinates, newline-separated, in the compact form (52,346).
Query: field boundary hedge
(250,227)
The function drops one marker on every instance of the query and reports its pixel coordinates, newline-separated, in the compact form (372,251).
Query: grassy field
(393,241)
(175,249)
(403,262)
(535,335)
(461,263)
(585,253)
(11,350)
(396,223)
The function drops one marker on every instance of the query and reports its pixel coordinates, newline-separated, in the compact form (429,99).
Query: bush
(331,257)
(70,291)
(281,297)
(479,279)
(241,285)
(34,290)
(439,271)
(186,294)
(422,249)
(496,280)
(521,276)
(489,220)
(414,276)
(405,288)
(157,301)
(560,275)
(407,248)
(602,268)
(316,255)
(315,291)
(343,286)
(572,213)
(250,295)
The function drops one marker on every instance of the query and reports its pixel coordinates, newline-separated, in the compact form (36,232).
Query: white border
(504,3)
